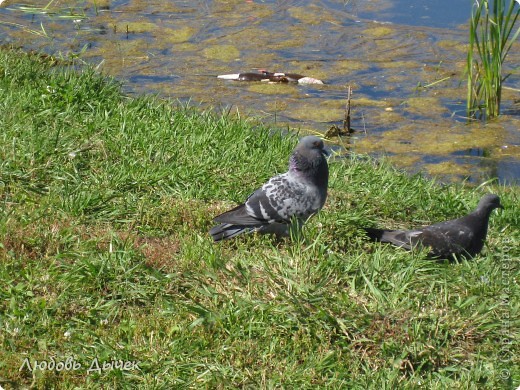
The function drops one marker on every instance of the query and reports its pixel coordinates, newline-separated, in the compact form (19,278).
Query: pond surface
(404,60)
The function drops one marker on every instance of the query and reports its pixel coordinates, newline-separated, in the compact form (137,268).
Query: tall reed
(490,38)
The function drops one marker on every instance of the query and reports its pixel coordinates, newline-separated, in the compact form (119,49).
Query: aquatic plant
(59,12)
(491,37)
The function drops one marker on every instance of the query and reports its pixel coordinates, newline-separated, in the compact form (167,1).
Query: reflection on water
(439,13)
(404,60)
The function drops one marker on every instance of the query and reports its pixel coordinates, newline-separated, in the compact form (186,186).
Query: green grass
(105,205)
(491,36)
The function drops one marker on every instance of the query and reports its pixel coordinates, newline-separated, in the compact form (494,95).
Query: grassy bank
(105,203)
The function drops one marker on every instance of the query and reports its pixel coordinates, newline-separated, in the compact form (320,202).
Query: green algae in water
(448,168)
(286,44)
(384,118)
(308,68)
(379,31)
(347,66)
(454,46)
(246,39)
(120,55)
(134,27)
(311,14)
(271,88)
(432,139)
(367,102)
(99,3)
(304,16)
(180,35)
(316,113)
(276,105)
(401,65)
(426,106)
(405,160)
(235,13)
(222,53)
(146,7)
(260,61)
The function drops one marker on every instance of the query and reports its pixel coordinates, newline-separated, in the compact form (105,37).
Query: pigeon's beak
(325,152)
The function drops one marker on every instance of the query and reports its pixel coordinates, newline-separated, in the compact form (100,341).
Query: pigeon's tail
(225,231)
(401,238)
(228,230)
(376,234)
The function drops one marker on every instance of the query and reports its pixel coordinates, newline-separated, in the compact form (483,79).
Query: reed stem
(491,35)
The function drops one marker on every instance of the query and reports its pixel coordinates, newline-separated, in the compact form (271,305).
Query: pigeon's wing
(257,210)
(284,197)
(448,238)
(407,239)
(444,239)
(280,199)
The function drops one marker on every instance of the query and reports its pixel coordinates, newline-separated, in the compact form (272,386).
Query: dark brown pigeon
(462,237)
(291,197)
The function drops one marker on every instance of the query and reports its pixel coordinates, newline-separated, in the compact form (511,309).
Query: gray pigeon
(462,237)
(291,197)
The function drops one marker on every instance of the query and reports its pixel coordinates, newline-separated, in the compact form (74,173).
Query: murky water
(403,58)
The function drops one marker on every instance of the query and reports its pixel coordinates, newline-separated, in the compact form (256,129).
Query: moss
(222,52)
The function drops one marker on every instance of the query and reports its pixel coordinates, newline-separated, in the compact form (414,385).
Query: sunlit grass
(491,36)
(105,204)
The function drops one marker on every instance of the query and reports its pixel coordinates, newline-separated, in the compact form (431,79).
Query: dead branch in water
(335,130)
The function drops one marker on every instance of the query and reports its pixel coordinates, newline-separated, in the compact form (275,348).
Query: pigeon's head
(312,145)
(308,159)
(489,202)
